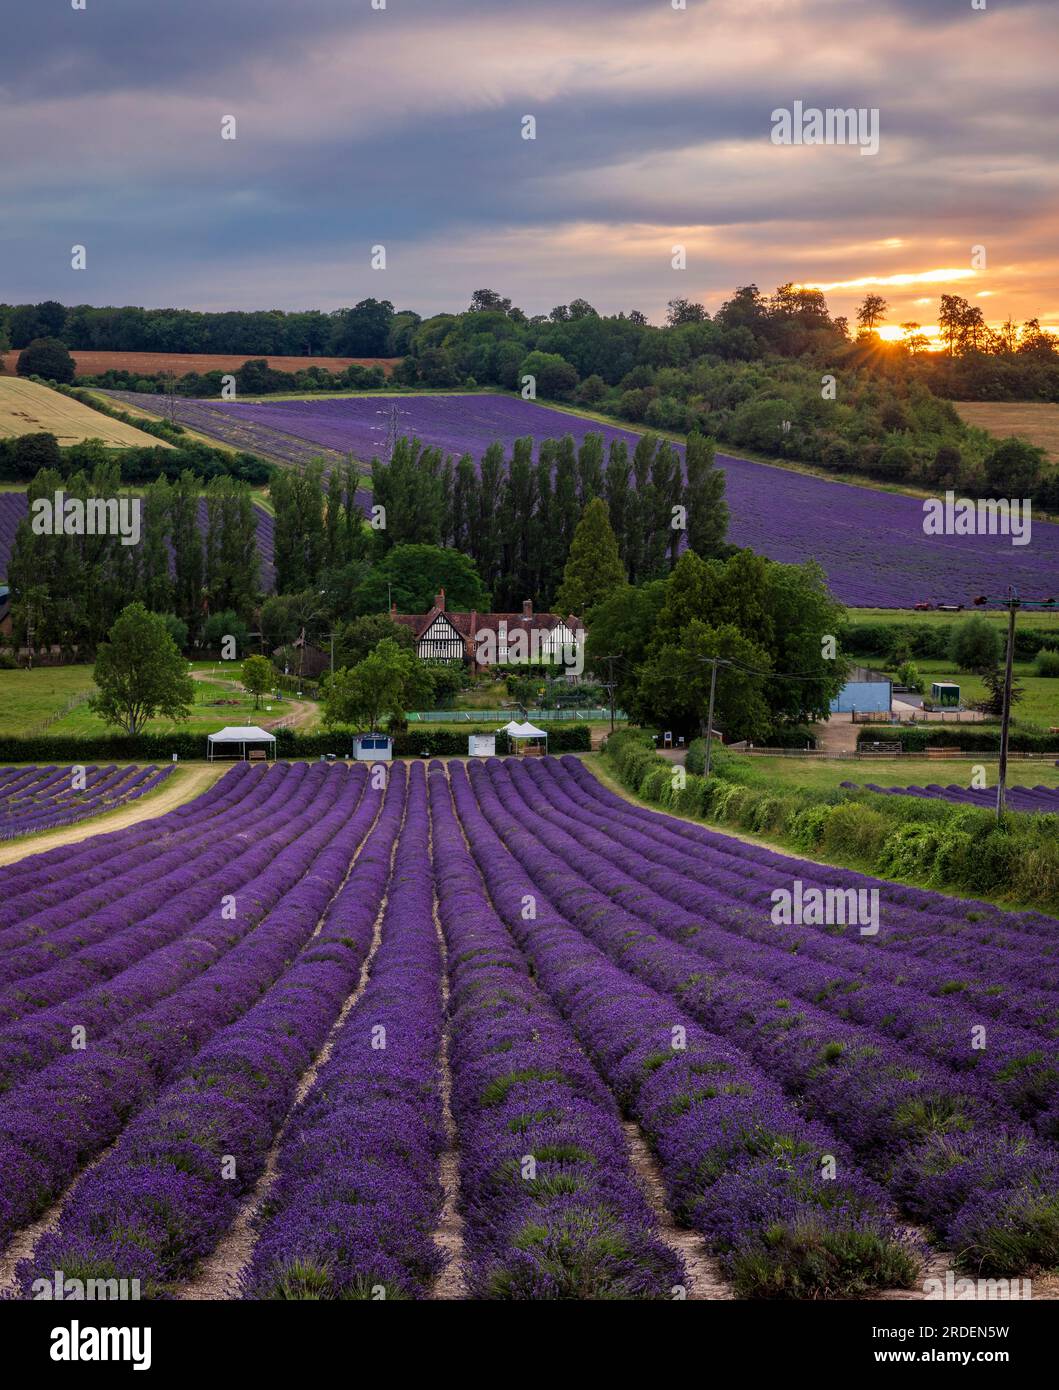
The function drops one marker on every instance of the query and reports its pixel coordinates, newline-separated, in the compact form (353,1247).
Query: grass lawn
(1046,620)
(825,774)
(28,697)
(204,715)
(1039,703)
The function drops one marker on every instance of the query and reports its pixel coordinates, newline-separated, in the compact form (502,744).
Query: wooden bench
(257,755)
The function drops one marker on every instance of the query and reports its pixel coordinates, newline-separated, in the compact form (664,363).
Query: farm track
(217,1276)
(299,713)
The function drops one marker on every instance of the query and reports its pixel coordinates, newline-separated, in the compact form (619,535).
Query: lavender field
(1039,798)
(14,507)
(270,440)
(870,542)
(425,1057)
(44,798)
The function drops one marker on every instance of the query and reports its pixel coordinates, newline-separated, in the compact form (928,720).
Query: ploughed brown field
(180,363)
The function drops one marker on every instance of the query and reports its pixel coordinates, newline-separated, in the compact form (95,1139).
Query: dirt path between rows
(448,1234)
(183,784)
(703,1269)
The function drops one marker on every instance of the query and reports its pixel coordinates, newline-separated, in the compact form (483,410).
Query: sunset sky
(401,126)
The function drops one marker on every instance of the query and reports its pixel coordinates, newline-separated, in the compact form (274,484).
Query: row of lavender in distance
(43,798)
(1014,1060)
(1039,798)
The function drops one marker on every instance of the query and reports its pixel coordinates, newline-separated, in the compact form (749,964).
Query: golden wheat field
(1037,421)
(26,407)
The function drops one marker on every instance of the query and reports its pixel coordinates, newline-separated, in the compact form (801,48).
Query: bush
(855,831)
(689,799)
(971,738)
(974,644)
(654,785)
(1047,663)
(48,358)
(807,827)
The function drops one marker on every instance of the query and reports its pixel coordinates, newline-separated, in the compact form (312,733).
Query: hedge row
(430,743)
(971,738)
(928,640)
(930,842)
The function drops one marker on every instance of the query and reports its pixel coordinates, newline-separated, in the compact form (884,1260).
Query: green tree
(412,576)
(555,377)
(257,677)
(231,565)
(357,639)
(704,498)
(387,682)
(974,644)
(622,628)
(674,686)
(225,624)
(410,490)
(139,673)
(993,703)
(49,358)
(593,568)
(872,311)
(1013,468)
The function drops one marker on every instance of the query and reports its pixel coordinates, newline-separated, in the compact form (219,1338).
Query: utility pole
(714,661)
(1013,604)
(609,686)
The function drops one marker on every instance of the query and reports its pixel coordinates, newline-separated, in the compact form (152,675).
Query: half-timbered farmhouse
(494,638)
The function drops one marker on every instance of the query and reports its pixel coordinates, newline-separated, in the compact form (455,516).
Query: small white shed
(481,745)
(372,748)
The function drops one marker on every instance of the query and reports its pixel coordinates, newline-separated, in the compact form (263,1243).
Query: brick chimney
(439,600)
(393,610)
(527,609)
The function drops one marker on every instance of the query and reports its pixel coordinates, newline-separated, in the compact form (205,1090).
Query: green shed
(945,694)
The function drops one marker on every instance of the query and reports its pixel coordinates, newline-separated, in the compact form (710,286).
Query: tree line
(516,517)
(196,558)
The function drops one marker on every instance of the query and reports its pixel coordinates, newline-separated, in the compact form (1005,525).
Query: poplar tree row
(197,554)
(515,517)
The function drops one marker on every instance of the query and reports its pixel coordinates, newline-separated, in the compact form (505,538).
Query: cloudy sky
(402,126)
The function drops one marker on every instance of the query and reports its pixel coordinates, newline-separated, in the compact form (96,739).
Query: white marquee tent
(519,733)
(239,736)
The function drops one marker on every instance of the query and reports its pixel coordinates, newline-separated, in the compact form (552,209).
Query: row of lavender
(259,989)
(44,798)
(1039,798)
